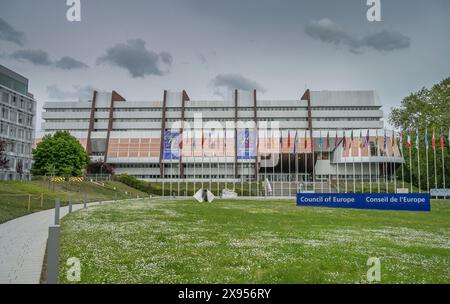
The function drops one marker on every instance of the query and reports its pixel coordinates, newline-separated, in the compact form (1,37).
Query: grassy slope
(156,241)
(14,195)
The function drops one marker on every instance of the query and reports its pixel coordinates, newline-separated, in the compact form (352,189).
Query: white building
(17,121)
(127,134)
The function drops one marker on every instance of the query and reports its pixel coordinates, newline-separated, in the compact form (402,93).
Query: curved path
(22,245)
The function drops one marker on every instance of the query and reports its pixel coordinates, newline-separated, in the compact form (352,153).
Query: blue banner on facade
(171,145)
(246,148)
(382,201)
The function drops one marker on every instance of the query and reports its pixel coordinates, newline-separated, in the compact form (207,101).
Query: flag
(306,139)
(320,139)
(351,139)
(417,139)
(376,141)
(385,141)
(203,139)
(360,139)
(433,140)
(442,139)
(408,140)
(336,139)
(295,142)
(393,142)
(328,140)
(180,140)
(344,141)
(400,138)
(426,138)
(289,139)
(366,139)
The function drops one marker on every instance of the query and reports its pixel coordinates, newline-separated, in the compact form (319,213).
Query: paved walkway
(22,245)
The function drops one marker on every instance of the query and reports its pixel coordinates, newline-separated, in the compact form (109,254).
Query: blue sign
(246,148)
(171,145)
(382,201)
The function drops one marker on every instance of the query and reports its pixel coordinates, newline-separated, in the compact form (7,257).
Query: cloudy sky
(141,47)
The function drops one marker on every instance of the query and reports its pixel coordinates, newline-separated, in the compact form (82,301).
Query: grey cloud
(69,63)
(8,33)
(40,57)
(202,59)
(136,59)
(78,92)
(234,81)
(36,57)
(328,31)
(387,41)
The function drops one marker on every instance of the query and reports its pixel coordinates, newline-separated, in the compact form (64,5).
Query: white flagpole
(370,163)
(329,160)
(435,166)
(337,165)
(410,171)
(394,170)
(242,165)
(321,156)
(353,165)
(443,162)
(203,160)
(265,162)
(281,170)
(345,162)
(218,163)
(426,157)
(210,169)
(249,164)
(403,159)
(360,161)
(418,157)
(306,161)
(314,161)
(193,154)
(378,162)
(272,156)
(296,160)
(289,165)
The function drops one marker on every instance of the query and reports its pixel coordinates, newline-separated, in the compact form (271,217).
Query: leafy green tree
(59,154)
(425,109)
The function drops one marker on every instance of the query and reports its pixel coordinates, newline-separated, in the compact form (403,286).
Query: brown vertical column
(235,131)
(163,127)
(307,96)
(91,123)
(184,98)
(255,117)
(114,97)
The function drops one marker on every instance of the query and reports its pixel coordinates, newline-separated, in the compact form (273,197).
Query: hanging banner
(246,148)
(171,145)
(381,201)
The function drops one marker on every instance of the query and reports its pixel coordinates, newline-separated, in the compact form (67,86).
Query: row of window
(13,131)
(17,101)
(15,116)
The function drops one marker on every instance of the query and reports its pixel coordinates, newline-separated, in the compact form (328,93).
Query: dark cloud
(8,33)
(78,92)
(40,57)
(230,82)
(328,31)
(36,57)
(136,59)
(69,63)
(387,41)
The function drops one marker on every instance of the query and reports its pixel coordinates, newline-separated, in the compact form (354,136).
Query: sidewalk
(22,245)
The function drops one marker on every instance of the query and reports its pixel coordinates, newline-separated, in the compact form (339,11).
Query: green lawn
(14,195)
(243,241)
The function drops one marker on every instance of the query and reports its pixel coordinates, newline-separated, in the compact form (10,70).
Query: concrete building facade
(17,124)
(239,138)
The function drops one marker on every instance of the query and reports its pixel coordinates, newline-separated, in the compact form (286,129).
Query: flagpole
(442,143)
(321,156)
(218,165)
(353,164)
(249,167)
(403,159)
(296,161)
(242,165)
(344,147)
(281,168)
(378,162)
(306,160)
(361,162)
(203,159)
(193,154)
(410,171)
(393,144)
(426,157)
(163,164)
(369,153)
(329,161)
(265,162)
(433,145)
(337,164)
(418,157)
(386,152)
(314,160)
(256,162)
(272,155)
(289,164)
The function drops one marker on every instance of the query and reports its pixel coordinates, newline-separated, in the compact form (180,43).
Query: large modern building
(17,121)
(239,138)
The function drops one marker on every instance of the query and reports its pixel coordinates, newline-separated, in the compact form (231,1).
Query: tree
(3,160)
(19,168)
(427,108)
(59,154)
(100,167)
